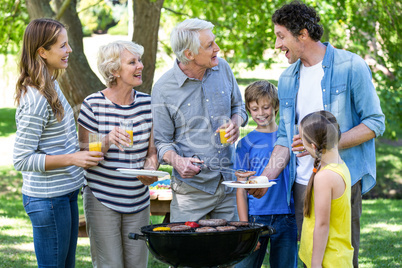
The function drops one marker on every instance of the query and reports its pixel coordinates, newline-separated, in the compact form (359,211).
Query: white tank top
(309,99)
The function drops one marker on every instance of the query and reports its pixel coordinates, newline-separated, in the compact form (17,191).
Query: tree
(79,80)
(370,28)
(146,28)
(376,36)
(13,20)
(244,31)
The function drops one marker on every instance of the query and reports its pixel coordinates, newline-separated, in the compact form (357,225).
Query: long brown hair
(322,130)
(33,69)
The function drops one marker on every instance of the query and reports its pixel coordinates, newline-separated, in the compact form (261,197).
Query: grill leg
(166,219)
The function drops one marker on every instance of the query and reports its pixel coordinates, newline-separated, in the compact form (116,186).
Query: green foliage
(371,29)
(374,32)
(7,122)
(243,28)
(122,26)
(95,15)
(13,20)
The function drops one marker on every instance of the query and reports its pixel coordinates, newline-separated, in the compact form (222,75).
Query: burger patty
(170,225)
(239,223)
(225,228)
(212,222)
(206,229)
(179,228)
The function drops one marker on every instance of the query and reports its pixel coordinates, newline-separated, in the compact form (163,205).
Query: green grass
(7,122)
(389,167)
(380,232)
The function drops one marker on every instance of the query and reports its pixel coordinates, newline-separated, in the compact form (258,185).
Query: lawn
(380,232)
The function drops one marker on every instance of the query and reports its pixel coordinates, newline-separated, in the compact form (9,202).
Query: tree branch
(176,12)
(88,7)
(63,8)
(17,5)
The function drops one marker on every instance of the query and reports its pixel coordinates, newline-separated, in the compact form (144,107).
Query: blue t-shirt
(253,153)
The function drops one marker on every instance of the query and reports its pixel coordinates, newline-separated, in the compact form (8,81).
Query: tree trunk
(79,80)
(146,25)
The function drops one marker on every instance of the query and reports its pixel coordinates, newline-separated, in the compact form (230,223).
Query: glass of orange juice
(224,124)
(95,142)
(296,132)
(127,125)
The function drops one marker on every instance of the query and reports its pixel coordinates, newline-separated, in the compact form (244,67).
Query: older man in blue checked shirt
(189,102)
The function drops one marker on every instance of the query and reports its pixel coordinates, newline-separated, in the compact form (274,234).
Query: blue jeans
(55,228)
(283,244)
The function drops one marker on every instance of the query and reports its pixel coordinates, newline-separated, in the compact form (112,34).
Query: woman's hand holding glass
(86,159)
(119,137)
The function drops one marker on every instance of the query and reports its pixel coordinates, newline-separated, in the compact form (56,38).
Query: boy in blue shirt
(253,153)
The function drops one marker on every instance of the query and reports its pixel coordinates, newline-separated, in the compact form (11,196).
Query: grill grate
(149,228)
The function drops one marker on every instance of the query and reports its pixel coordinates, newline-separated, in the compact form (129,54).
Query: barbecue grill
(211,249)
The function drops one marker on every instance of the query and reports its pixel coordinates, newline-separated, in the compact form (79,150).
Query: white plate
(242,184)
(143,172)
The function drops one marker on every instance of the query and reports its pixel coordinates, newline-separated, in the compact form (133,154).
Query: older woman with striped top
(116,204)
(46,146)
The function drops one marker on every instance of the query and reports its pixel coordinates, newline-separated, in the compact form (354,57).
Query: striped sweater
(40,134)
(119,192)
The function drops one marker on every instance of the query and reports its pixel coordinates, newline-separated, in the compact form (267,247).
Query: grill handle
(135,236)
(268,230)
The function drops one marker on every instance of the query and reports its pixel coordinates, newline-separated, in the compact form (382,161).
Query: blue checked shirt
(186,114)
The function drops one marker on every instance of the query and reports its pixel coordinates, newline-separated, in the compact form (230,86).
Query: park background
(245,35)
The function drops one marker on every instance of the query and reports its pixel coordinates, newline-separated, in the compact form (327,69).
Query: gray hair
(186,36)
(109,58)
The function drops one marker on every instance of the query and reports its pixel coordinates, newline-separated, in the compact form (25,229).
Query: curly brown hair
(297,16)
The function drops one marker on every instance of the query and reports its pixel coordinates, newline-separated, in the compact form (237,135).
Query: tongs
(215,168)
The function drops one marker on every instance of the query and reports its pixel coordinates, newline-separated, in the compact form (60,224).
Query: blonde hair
(321,129)
(259,90)
(186,35)
(109,58)
(33,69)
